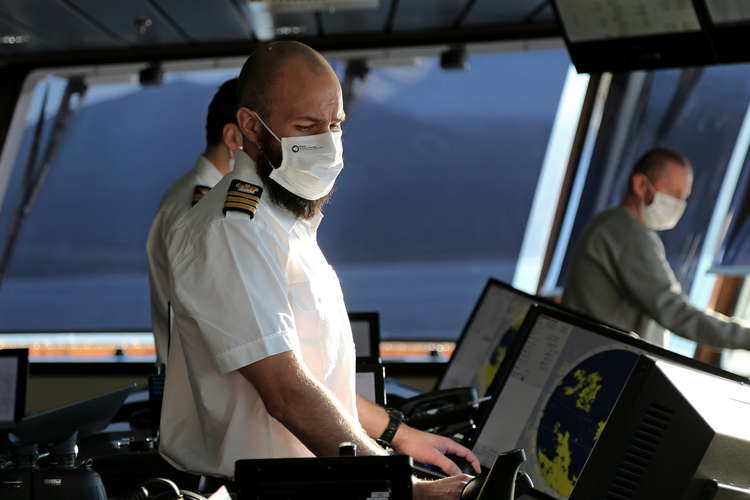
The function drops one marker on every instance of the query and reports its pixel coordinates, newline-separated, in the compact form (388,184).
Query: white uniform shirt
(175,202)
(245,288)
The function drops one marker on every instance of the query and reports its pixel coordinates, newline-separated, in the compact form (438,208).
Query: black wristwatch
(395,418)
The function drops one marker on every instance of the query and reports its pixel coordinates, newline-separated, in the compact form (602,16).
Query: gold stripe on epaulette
(233,204)
(198,193)
(232,196)
(240,202)
(243,195)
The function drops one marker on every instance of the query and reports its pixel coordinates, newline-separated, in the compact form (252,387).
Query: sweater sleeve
(649,280)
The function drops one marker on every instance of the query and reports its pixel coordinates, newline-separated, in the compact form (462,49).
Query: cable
(172,493)
(140,494)
(162,481)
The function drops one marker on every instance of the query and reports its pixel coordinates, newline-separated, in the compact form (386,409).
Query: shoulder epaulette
(198,193)
(242,197)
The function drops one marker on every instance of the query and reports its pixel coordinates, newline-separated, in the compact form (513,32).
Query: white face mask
(309,164)
(664,212)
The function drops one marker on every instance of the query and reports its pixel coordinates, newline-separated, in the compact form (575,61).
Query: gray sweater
(619,274)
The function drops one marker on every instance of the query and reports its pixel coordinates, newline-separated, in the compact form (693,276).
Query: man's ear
(639,186)
(231,137)
(249,125)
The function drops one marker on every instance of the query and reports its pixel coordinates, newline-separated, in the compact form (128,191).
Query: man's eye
(304,127)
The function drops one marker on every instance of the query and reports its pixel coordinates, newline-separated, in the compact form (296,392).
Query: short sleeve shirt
(176,201)
(244,288)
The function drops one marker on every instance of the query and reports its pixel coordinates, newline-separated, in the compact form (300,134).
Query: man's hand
(449,488)
(431,449)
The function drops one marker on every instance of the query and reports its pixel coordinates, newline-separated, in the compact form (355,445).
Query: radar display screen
(487,338)
(556,402)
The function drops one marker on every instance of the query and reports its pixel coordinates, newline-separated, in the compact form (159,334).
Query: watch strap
(395,418)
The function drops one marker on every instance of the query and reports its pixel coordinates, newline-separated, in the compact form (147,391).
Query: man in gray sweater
(619,271)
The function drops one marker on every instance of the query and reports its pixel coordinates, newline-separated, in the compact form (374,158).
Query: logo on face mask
(297,148)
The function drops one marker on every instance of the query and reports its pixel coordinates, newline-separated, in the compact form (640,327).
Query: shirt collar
(316,220)
(245,169)
(206,172)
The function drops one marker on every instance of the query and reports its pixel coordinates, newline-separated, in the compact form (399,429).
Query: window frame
(113,73)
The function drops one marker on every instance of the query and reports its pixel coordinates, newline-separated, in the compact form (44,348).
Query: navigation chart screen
(487,339)
(556,402)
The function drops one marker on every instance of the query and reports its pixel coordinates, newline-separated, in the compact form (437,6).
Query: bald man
(619,271)
(262,362)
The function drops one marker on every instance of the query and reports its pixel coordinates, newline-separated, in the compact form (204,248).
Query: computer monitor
(366,333)
(370,380)
(676,433)
(14,369)
(554,395)
(487,337)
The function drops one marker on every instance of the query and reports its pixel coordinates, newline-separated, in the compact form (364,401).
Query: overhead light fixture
(142,24)
(289,30)
(295,6)
(357,69)
(14,39)
(261,21)
(261,13)
(391,62)
(454,58)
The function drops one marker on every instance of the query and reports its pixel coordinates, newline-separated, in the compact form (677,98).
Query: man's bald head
(286,89)
(271,62)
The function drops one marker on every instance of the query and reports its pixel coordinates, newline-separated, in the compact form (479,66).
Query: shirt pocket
(310,325)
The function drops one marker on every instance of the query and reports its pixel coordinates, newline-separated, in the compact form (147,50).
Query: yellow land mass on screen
(599,429)
(490,369)
(587,387)
(556,470)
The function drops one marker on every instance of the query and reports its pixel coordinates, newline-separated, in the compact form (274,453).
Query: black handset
(441,408)
(500,482)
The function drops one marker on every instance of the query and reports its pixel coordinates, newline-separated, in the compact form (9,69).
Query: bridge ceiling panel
(125,30)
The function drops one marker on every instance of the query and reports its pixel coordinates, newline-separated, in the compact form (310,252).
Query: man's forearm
(306,408)
(372,417)
(320,423)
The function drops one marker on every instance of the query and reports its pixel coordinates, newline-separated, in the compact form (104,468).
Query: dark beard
(300,207)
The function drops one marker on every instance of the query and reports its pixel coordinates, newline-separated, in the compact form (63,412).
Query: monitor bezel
(373,318)
(370,364)
(22,375)
(491,282)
